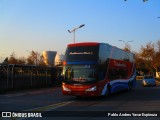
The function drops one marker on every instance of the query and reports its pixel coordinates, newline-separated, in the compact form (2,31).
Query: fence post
(31,76)
(12,76)
(8,77)
(46,74)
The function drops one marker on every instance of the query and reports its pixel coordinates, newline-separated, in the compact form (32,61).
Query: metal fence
(25,77)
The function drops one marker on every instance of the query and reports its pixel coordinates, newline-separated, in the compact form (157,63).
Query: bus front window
(80,74)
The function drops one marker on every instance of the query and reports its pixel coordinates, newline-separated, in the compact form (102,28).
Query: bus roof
(93,44)
(84,44)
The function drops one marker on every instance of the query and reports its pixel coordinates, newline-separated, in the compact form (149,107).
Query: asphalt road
(140,99)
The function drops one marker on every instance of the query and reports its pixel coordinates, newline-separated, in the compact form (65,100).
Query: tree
(22,61)
(148,52)
(41,61)
(31,60)
(5,61)
(157,56)
(35,58)
(158,46)
(140,64)
(150,56)
(127,48)
(12,59)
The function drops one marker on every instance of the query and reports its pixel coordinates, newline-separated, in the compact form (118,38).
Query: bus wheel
(130,86)
(108,90)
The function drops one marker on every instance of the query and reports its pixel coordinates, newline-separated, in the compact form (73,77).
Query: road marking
(44,109)
(50,107)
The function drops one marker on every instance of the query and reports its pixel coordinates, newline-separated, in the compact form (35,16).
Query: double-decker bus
(97,69)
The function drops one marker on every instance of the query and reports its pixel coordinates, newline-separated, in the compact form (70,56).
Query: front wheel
(108,91)
(130,86)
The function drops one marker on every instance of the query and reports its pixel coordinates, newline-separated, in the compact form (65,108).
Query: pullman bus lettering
(75,53)
(97,69)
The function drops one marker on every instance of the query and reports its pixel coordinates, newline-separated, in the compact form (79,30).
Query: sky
(38,25)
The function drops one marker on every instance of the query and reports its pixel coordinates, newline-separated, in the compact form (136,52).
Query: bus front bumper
(77,90)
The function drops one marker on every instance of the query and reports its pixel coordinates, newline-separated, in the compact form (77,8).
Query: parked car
(149,80)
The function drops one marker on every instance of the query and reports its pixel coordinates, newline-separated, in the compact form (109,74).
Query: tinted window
(105,51)
(122,55)
(80,73)
(82,53)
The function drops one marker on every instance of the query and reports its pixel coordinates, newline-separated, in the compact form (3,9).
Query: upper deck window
(82,53)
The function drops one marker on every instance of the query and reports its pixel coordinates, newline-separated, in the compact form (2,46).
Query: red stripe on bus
(84,44)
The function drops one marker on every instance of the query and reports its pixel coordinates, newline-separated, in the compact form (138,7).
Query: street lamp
(126,43)
(74,30)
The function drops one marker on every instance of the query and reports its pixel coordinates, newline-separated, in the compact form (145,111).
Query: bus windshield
(79,74)
(82,53)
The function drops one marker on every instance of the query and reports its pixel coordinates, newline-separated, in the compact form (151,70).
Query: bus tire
(130,86)
(108,91)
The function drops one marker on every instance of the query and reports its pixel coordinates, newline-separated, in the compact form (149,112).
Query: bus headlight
(92,89)
(65,88)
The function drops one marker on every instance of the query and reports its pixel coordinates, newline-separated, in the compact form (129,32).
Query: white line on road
(50,107)
(46,108)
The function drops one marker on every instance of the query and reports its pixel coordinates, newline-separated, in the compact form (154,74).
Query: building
(49,57)
(59,59)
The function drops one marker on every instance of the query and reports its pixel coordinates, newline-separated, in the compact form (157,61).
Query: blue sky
(39,25)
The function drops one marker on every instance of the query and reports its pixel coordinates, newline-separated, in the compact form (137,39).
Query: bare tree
(5,61)
(35,58)
(22,61)
(127,48)
(12,59)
